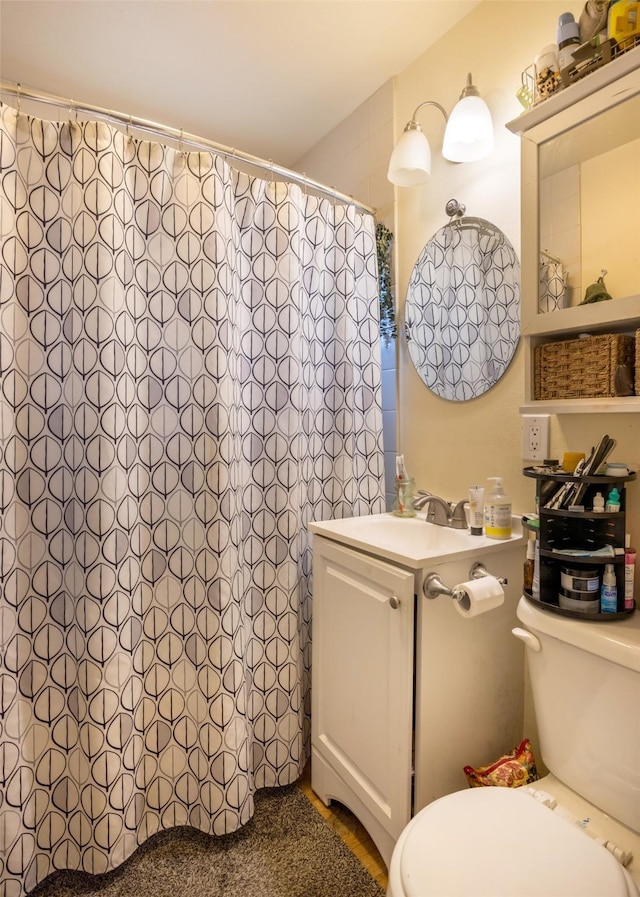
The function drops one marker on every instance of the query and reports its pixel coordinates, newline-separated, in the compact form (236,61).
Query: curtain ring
(128,131)
(18,96)
(180,142)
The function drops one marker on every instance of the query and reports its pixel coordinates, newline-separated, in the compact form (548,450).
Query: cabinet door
(362,679)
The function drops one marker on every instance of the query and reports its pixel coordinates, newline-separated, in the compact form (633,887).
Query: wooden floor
(352,832)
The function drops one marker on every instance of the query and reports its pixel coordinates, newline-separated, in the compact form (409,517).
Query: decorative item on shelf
(551,284)
(596,292)
(384,238)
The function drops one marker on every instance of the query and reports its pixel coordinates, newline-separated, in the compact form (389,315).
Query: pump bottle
(497,512)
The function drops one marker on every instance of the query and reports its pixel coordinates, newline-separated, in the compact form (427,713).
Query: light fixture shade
(410,162)
(469,132)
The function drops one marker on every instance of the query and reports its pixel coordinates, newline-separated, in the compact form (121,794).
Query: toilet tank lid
(616,640)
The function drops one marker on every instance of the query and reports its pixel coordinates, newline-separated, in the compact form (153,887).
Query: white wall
(450,445)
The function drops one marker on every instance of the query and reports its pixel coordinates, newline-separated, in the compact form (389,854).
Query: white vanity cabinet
(406,691)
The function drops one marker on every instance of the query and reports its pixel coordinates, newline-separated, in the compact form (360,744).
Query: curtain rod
(140,124)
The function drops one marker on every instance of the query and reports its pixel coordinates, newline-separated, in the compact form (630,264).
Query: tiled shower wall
(354,158)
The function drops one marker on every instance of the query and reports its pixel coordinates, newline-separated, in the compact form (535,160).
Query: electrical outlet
(535,437)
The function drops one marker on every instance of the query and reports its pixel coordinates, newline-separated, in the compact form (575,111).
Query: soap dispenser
(497,512)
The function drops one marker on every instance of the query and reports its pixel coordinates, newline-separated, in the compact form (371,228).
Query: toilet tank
(585,680)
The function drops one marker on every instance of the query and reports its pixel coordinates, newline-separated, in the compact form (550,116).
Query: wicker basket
(585,368)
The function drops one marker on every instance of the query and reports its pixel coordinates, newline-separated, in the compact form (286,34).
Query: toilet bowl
(575,833)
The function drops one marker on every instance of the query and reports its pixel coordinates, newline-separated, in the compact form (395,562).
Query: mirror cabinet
(580,152)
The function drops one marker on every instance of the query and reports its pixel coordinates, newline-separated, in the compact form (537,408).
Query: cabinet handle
(394,602)
(530,640)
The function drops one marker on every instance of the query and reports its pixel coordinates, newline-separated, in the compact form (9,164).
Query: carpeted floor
(286,850)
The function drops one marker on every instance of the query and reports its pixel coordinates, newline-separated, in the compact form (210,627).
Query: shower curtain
(189,362)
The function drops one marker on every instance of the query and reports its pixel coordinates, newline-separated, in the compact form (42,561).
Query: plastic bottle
(629,572)
(497,512)
(609,592)
(613,500)
(568,38)
(598,502)
(529,566)
(535,588)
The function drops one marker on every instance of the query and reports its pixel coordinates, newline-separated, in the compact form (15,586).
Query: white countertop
(410,541)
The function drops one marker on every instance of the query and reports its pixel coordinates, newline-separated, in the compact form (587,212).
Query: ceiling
(267,77)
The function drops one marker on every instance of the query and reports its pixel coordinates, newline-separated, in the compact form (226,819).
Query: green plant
(384,238)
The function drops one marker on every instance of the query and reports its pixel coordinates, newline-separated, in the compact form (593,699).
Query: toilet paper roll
(479,596)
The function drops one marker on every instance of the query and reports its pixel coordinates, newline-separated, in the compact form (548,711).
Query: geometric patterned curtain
(190,373)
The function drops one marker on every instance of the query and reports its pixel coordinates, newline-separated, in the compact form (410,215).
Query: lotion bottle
(497,512)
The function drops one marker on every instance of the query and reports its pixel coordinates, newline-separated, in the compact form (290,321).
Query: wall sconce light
(468,137)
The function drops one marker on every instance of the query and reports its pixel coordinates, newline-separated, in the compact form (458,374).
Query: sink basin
(409,541)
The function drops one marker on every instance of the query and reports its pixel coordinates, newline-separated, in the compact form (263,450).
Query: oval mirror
(462,316)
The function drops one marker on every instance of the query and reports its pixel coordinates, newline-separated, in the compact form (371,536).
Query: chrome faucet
(441,512)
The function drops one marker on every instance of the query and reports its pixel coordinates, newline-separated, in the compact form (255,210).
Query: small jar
(405,495)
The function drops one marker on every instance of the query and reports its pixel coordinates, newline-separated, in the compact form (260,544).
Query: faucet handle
(459,518)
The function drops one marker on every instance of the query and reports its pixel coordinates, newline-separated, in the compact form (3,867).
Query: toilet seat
(500,842)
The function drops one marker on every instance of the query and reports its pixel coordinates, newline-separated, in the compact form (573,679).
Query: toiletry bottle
(613,501)
(476,510)
(529,565)
(598,502)
(497,512)
(629,572)
(609,592)
(568,38)
(535,586)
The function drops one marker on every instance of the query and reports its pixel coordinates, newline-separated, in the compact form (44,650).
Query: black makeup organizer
(577,527)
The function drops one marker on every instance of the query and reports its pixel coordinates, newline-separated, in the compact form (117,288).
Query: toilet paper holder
(433,585)
(478,570)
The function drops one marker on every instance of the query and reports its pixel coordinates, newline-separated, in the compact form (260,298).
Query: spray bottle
(497,512)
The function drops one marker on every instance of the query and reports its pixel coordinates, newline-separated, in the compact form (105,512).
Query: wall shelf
(550,126)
